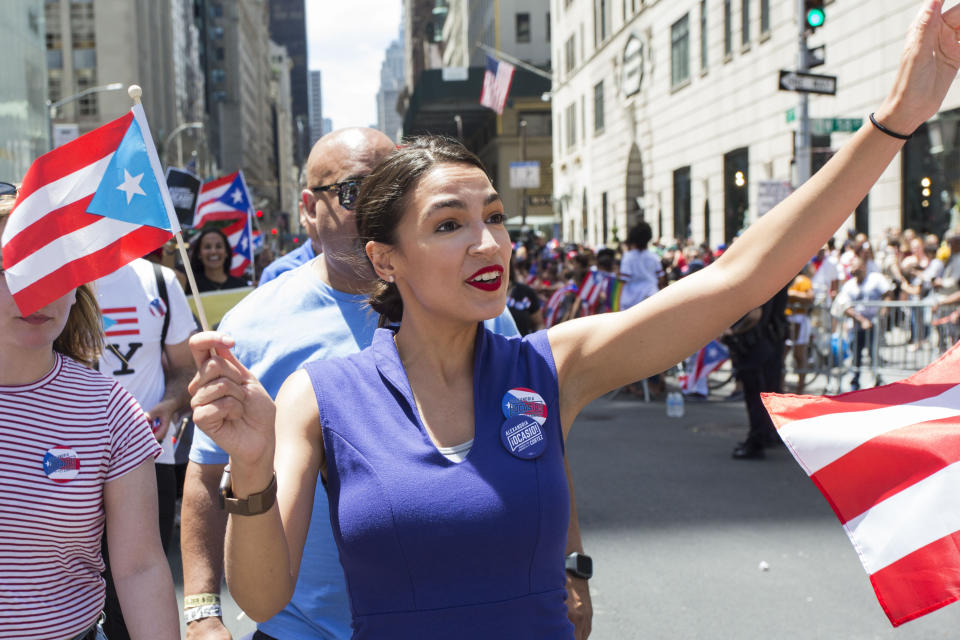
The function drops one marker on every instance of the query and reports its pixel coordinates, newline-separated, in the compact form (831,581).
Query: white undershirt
(457,453)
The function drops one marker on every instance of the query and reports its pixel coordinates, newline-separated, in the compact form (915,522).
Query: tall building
(670,112)
(93,44)
(288,28)
(287,173)
(316,106)
(23,126)
(389,120)
(443,70)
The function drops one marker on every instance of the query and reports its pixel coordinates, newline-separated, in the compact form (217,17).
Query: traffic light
(273,231)
(259,213)
(813,14)
(925,192)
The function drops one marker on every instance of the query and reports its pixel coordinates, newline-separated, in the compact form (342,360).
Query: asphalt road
(679,531)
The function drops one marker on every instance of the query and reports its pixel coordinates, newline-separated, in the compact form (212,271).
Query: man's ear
(307,206)
(381,257)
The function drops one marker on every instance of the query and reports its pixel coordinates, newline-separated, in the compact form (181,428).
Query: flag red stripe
(128,332)
(236,226)
(55,224)
(78,153)
(58,283)
(925,580)
(120,310)
(887,464)
(233,214)
(219,182)
(126,321)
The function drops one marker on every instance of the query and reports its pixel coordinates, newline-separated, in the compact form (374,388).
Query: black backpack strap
(162,290)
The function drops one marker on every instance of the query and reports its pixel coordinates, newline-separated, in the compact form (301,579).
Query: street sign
(816,56)
(823,126)
(525,175)
(807,82)
(539,200)
(64,133)
(770,193)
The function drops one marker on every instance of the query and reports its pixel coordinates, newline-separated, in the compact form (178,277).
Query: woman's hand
(928,66)
(229,403)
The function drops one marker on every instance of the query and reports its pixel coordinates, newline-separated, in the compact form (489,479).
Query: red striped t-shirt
(61,438)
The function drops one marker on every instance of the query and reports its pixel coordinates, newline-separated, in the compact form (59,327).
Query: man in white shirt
(859,291)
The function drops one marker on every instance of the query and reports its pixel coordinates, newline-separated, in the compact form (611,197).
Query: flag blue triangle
(129,190)
(236,195)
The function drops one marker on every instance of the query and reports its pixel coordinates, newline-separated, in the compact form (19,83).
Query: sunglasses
(8,189)
(347,192)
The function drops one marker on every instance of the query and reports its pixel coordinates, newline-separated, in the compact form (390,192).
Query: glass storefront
(930,193)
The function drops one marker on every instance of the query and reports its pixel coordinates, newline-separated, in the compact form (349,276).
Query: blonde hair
(82,336)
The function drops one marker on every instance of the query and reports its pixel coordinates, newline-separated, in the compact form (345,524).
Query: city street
(678,531)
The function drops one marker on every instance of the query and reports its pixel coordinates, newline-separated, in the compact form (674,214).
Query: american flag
(496,84)
(888,461)
(86,209)
(225,198)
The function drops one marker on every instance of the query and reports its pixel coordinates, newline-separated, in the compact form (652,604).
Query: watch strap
(252,505)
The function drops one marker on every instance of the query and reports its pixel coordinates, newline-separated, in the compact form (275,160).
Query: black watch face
(584,565)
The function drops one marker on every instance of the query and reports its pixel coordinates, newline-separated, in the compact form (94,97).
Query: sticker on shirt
(524,402)
(61,464)
(523,437)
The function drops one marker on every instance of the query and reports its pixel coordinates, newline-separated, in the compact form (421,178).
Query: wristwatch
(580,565)
(252,505)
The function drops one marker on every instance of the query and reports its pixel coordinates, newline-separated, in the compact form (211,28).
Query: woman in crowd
(77,456)
(431,547)
(210,258)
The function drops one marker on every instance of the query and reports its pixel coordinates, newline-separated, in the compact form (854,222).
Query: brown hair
(385,194)
(82,336)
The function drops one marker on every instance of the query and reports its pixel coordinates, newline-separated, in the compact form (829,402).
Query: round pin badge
(61,464)
(523,437)
(524,402)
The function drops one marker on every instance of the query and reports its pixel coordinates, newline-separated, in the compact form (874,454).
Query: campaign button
(61,464)
(523,437)
(524,402)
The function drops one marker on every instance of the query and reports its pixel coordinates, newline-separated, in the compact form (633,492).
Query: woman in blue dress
(441,445)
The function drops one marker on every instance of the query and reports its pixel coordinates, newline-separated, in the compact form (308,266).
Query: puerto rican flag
(120,321)
(225,198)
(496,84)
(888,461)
(594,290)
(701,364)
(86,209)
(241,241)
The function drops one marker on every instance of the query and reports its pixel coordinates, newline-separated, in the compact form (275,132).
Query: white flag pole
(135,92)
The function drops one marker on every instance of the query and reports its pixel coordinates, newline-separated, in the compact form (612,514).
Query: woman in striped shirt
(76,457)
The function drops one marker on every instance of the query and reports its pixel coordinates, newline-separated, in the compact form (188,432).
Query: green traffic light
(815,18)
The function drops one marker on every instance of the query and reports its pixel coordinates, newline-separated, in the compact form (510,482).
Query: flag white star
(236,196)
(131,185)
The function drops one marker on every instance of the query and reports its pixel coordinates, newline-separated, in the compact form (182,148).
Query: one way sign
(807,82)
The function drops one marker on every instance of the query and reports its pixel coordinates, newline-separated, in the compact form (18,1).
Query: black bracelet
(893,134)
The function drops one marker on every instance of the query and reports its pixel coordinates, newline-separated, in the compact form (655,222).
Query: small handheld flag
(225,198)
(238,234)
(888,461)
(496,84)
(86,209)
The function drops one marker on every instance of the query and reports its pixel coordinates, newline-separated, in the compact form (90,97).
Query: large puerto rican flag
(86,209)
(888,462)
(496,84)
(225,198)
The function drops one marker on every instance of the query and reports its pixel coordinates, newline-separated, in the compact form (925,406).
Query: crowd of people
(380,453)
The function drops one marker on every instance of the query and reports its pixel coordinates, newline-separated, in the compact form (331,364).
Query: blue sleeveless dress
(437,549)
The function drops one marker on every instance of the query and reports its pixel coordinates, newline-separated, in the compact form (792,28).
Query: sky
(346,40)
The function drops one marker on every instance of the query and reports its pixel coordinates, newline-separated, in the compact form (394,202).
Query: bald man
(313,311)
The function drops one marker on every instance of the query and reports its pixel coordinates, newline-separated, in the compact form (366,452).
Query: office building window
(523,27)
(681,203)
(764,17)
(571,123)
(727,28)
(569,55)
(598,107)
(745,22)
(601,19)
(548,26)
(680,51)
(703,35)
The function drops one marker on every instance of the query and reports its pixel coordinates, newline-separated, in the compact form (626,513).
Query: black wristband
(892,134)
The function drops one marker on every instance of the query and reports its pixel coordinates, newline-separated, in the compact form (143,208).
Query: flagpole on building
(135,92)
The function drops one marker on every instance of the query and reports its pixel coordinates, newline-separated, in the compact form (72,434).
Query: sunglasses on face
(347,192)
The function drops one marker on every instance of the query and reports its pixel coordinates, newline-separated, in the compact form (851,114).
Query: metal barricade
(905,337)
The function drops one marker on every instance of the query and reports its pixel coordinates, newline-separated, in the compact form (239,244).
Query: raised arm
(263,551)
(600,353)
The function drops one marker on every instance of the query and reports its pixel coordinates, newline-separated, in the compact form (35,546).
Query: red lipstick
(489,283)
